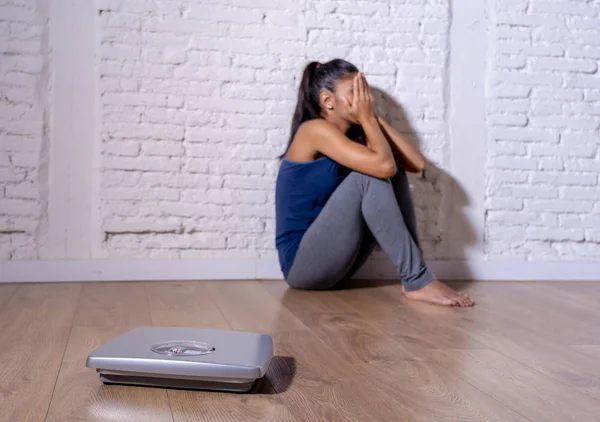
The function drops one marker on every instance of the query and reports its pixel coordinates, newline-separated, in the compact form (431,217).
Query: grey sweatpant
(340,239)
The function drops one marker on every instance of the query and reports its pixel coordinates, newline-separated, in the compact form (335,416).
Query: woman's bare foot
(438,293)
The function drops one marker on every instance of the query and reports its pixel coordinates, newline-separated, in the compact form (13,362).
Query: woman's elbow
(388,169)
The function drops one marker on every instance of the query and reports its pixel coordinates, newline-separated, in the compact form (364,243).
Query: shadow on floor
(279,376)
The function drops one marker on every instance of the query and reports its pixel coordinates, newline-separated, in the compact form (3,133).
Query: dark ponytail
(316,76)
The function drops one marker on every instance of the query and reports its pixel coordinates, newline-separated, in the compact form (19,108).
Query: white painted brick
(561,94)
(11,175)
(500,105)
(244,241)
(506,148)
(264,32)
(500,177)
(146,164)
(15,78)
(26,160)
(546,108)
(521,218)
(146,131)
(22,191)
(552,234)
(529,50)
(211,196)
(226,135)
(173,180)
(574,250)
(577,193)
(179,209)
(564,7)
(511,91)
(257,211)
(250,197)
(229,105)
(232,45)
(509,62)
(141,225)
(560,206)
(592,236)
(121,148)
(506,234)
(121,178)
(592,95)
(583,81)
(565,123)
(195,165)
(582,164)
(509,32)
(242,182)
(584,52)
(509,120)
(514,18)
(535,192)
(563,64)
(583,22)
(136,193)
(177,25)
(504,204)
(167,149)
(18,207)
(524,135)
(551,164)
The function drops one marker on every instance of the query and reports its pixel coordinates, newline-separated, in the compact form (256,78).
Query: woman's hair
(317,76)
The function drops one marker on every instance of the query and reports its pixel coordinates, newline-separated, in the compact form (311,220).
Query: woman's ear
(326,99)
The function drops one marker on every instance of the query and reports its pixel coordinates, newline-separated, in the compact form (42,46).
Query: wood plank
(353,338)
(113,304)
(546,356)
(431,392)
(183,304)
(192,304)
(306,301)
(34,328)
(6,293)
(526,391)
(248,307)
(261,404)
(535,310)
(317,384)
(589,350)
(81,396)
(414,325)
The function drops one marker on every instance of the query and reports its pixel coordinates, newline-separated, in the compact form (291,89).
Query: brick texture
(21,126)
(197,100)
(543,158)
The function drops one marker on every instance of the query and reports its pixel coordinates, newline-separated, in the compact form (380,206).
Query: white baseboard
(243,269)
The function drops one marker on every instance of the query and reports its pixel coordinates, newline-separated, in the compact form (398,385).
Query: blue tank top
(301,192)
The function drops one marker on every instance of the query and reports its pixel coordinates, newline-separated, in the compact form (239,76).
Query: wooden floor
(527,351)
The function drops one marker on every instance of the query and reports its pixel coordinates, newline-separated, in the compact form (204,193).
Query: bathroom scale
(189,358)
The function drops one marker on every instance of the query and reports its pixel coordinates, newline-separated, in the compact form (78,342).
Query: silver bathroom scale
(190,358)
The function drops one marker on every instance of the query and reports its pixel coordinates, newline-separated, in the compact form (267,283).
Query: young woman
(342,186)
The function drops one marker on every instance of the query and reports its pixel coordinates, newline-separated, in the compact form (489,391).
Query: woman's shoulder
(315,126)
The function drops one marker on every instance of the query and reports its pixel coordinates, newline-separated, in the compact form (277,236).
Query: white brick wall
(197,99)
(543,118)
(21,126)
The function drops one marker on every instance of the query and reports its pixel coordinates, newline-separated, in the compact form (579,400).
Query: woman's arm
(409,157)
(376,159)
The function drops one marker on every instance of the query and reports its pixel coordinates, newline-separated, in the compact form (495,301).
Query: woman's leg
(331,245)
(405,202)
